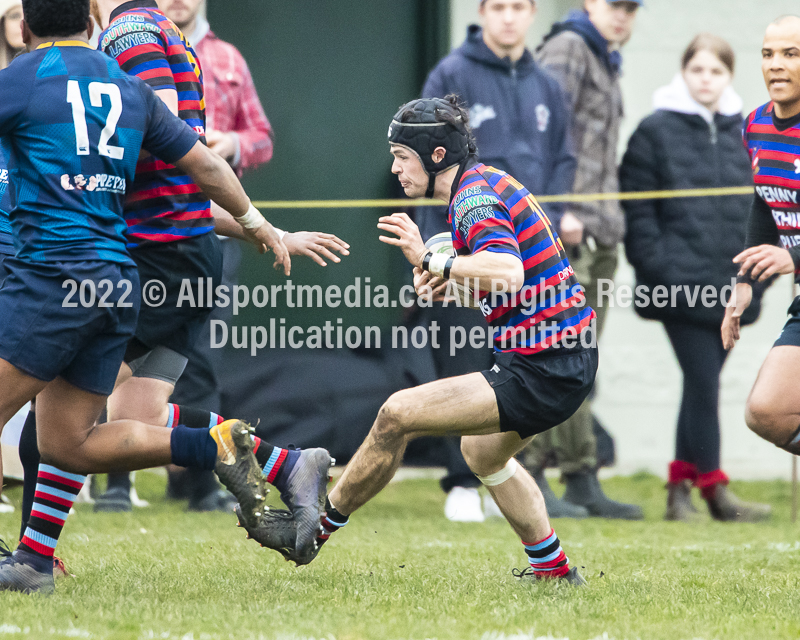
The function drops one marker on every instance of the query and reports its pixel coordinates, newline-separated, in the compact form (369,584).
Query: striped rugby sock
(547,558)
(192,418)
(276,463)
(331,522)
(56,491)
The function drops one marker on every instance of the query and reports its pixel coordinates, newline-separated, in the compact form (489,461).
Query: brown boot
(679,502)
(726,507)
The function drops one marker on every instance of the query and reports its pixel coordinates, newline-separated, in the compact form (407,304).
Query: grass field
(400,570)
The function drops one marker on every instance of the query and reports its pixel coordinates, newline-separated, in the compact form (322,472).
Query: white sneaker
(490,508)
(136,501)
(5,505)
(463,505)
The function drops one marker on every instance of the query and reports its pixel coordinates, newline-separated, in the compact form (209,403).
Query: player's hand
(571,231)
(316,245)
(428,285)
(740,299)
(223,144)
(267,239)
(408,237)
(764,261)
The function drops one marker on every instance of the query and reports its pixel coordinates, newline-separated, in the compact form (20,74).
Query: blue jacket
(520,118)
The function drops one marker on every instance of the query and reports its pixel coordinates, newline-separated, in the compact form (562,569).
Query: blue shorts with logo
(47,331)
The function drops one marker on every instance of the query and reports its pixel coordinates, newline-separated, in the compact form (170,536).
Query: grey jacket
(594,94)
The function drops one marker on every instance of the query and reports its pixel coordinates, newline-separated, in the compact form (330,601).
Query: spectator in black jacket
(693,140)
(520,118)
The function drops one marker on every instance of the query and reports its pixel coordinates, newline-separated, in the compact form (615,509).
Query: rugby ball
(443,243)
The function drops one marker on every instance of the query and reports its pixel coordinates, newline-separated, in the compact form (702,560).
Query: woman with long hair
(10,32)
(693,140)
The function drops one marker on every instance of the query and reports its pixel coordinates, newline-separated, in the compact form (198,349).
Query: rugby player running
(545,357)
(170,236)
(171,240)
(772,136)
(75,125)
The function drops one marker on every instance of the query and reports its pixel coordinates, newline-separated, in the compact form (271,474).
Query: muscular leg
(69,439)
(773,408)
(519,497)
(466,404)
(18,388)
(144,399)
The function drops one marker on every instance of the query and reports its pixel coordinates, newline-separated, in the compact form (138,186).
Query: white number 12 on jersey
(96,92)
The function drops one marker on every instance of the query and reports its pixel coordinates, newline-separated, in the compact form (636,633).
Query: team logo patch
(542,117)
(797,166)
(480,113)
(4,176)
(99,182)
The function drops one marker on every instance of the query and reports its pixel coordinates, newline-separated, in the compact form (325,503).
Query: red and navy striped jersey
(775,157)
(164,204)
(491,211)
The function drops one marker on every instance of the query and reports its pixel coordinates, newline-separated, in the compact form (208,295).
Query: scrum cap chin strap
(422,133)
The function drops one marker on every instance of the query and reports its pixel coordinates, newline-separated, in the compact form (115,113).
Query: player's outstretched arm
(312,244)
(764,261)
(218,181)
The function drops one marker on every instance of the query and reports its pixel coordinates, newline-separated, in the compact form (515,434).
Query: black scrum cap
(417,128)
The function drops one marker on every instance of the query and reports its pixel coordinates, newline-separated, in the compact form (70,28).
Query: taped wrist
(252,219)
(438,263)
(506,473)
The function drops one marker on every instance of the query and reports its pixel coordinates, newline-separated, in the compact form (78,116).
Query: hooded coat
(577,55)
(519,117)
(687,241)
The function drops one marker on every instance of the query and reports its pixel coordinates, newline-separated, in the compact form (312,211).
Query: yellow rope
(575,197)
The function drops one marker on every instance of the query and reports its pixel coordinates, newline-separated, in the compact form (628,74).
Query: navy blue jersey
(6,241)
(75,125)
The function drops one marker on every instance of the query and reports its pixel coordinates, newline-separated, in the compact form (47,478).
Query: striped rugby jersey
(491,211)
(775,157)
(6,240)
(164,205)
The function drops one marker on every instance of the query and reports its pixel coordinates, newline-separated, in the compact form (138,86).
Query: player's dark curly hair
(56,18)
(457,115)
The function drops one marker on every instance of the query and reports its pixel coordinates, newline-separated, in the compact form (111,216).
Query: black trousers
(701,357)
(466,360)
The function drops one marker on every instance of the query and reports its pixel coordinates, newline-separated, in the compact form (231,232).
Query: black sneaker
(217,500)
(115,500)
(304,494)
(27,572)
